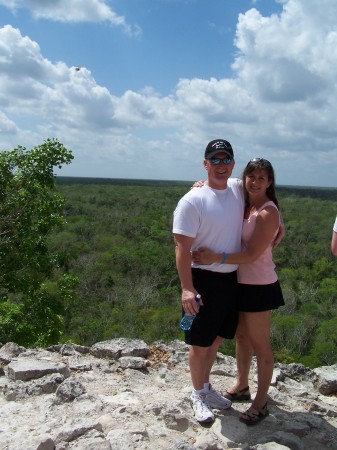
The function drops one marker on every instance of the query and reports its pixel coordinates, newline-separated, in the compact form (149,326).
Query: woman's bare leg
(258,329)
(244,354)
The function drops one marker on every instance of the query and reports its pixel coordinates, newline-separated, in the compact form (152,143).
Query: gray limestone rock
(327,381)
(69,390)
(70,433)
(126,395)
(133,362)
(287,439)
(116,348)
(10,351)
(20,390)
(269,446)
(27,369)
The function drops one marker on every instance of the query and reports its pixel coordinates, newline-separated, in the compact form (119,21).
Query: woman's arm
(334,239)
(334,243)
(267,223)
(280,235)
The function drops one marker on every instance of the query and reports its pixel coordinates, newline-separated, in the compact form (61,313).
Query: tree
(325,346)
(30,208)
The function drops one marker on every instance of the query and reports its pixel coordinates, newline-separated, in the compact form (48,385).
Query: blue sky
(158,79)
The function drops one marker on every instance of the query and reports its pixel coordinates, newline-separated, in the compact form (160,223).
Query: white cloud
(287,58)
(72,11)
(7,126)
(281,104)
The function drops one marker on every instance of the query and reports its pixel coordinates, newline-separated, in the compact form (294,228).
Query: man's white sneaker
(216,400)
(201,408)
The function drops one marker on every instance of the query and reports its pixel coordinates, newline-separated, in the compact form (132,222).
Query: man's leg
(199,360)
(200,374)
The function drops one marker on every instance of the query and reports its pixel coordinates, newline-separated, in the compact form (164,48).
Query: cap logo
(219,144)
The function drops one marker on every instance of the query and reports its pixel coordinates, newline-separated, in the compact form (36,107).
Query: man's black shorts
(218,316)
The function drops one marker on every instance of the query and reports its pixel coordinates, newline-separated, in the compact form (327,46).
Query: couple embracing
(224,233)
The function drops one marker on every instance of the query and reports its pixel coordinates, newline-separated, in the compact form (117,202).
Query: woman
(259,291)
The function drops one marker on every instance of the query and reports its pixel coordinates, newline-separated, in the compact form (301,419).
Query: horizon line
(134,180)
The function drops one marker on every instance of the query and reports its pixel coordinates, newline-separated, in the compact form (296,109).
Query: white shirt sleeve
(335,225)
(186,219)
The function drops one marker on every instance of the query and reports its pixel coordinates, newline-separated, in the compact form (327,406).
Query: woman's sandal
(254,418)
(238,395)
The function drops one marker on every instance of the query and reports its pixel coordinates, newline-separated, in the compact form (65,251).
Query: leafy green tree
(325,345)
(30,208)
(292,335)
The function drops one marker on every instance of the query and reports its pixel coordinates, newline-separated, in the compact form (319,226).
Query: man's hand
(204,256)
(188,302)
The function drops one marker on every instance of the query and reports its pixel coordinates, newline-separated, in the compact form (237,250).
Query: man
(210,216)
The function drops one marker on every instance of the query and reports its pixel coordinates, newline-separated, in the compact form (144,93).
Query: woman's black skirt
(260,297)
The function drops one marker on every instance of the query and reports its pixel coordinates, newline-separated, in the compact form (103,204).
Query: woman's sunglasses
(261,160)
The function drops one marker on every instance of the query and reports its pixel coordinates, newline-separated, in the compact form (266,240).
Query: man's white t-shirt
(335,225)
(214,218)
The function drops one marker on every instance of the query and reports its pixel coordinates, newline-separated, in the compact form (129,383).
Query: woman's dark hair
(260,163)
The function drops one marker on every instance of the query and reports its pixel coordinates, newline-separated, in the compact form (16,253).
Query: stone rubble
(122,394)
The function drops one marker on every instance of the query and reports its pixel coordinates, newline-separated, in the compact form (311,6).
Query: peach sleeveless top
(262,270)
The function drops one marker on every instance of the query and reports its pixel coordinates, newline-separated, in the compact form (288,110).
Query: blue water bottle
(187,320)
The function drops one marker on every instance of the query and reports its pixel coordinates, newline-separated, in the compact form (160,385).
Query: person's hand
(199,183)
(280,235)
(203,256)
(188,302)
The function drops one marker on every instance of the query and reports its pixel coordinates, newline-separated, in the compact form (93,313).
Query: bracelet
(224,257)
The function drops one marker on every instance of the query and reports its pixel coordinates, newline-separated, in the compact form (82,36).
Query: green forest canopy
(117,241)
(93,259)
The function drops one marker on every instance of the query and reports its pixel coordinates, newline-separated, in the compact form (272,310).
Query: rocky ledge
(123,394)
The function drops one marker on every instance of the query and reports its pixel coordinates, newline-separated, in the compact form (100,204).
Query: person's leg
(209,322)
(201,360)
(258,329)
(213,350)
(213,398)
(244,354)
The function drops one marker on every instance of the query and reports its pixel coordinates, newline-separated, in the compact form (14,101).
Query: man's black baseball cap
(218,146)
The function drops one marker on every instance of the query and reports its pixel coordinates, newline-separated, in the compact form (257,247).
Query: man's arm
(183,246)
